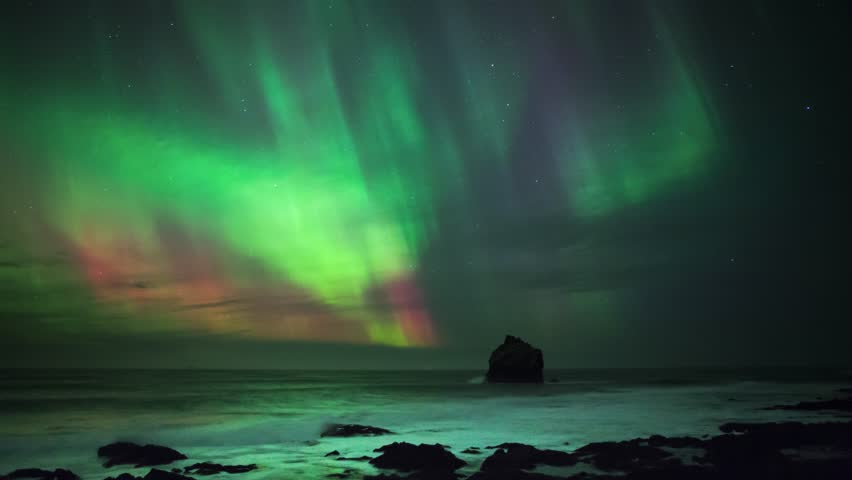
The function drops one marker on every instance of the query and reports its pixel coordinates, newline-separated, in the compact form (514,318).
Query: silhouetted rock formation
(418,475)
(120,453)
(154,474)
(518,456)
(344,474)
(625,456)
(208,468)
(744,451)
(58,474)
(124,476)
(352,430)
(407,457)
(333,453)
(157,474)
(520,475)
(838,404)
(515,361)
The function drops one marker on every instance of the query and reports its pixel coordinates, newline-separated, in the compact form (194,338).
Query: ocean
(58,418)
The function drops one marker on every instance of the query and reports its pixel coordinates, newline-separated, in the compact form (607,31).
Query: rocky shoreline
(777,450)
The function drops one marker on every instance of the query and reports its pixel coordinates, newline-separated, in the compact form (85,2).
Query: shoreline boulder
(352,430)
(41,474)
(209,468)
(407,457)
(128,453)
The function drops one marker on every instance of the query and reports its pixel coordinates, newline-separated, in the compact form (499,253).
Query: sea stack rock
(515,361)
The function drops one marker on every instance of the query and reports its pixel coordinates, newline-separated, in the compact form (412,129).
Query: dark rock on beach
(418,475)
(124,476)
(208,468)
(121,453)
(407,457)
(352,430)
(344,474)
(515,361)
(518,456)
(625,456)
(789,450)
(58,474)
(333,453)
(157,474)
(837,404)
(749,450)
(790,434)
(674,442)
(518,475)
(154,474)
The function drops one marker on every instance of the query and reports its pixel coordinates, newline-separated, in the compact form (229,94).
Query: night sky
(399,184)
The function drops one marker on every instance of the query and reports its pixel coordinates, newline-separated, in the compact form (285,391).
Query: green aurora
(338,171)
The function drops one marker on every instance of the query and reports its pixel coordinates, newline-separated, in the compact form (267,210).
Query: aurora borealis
(408,174)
